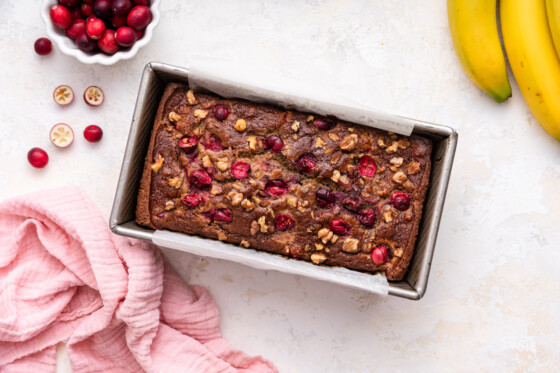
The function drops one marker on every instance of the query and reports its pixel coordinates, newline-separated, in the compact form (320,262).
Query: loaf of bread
(297,184)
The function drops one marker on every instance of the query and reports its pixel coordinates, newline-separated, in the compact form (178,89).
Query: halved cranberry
(400,200)
(324,197)
(200,178)
(188,144)
(214,144)
(367,166)
(221,214)
(306,163)
(340,227)
(324,123)
(221,112)
(379,254)
(240,170)
(276,187)
(352,204)
(367,217)
(192,200)
(274,143)
(283,222)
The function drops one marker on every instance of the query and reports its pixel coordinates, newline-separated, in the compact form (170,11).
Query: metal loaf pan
(157,75)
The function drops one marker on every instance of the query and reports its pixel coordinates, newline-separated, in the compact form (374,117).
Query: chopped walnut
(206,162)
(350,129)
(235,197)
(329,151)
(295,126)
(244,243)
(309,118)
(399,177)
(175,182)
(190,97)
(333,136)
(350,245)
(294,137)
(393,148)
(393,168)
(388,216)
(325,235)
(200,115)
(222,236)
(307,247)
(291,200)
(254,227)
(247,205)
(169,205)
(335,176)
(319,143)
(174,117)
(319,247)
(270,212)
(349,142)
(381,143)
(403,143)
(396,161)
(398,253)
(252,142)
(262,223)
(344,179)
(158,164)
(257,200)
(318,258)
(408,185)
(238,186)
(240,125)
(413,168)
(216,189)
(336,157)
(222,165)
(334,238)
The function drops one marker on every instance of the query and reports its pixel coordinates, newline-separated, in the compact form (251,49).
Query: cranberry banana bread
(306,186)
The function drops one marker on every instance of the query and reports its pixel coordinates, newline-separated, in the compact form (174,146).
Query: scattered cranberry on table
(38,158)
(43,46)
(93,133)
(93,95)
(63,95)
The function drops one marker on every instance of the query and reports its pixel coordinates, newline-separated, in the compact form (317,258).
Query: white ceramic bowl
(68,46)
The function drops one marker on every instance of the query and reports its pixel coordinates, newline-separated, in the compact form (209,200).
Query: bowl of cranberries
(100,31)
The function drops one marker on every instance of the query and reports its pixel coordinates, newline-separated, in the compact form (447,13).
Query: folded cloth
(114,301)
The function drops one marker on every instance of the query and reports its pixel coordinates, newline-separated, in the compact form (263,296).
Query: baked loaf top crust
(302,185)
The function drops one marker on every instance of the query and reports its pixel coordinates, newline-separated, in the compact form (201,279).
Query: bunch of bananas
(531,35)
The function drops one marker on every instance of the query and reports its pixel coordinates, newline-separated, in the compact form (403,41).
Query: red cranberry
(367,217)
(274,143)
(324,197)
(240,170)
(84,43)
(400,200)
(276,187)
(340,227)
(306,163)
(139,34)
(379,254)
(102,9)
(366,166)
(95,28)
(75,28)
(125,36)
(89,1)
(141,2)
(200,179)
(214,144)
(76,13)
(283,222)
(221,112)
(60,16)
(93,133)
(324,123)
(221,214)
(69,3)
(121,7)
(118,21)
(107,43)
(86,10)
(43,46)
(352,204)
(38,157)
(139,17)
(192,200)
(188,144)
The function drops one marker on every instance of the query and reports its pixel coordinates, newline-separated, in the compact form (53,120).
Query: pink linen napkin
(114,301)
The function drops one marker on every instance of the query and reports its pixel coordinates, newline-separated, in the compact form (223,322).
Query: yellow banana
(533,59)
(553,13)
(474,31)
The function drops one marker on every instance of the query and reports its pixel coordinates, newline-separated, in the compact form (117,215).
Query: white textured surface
(492,302)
